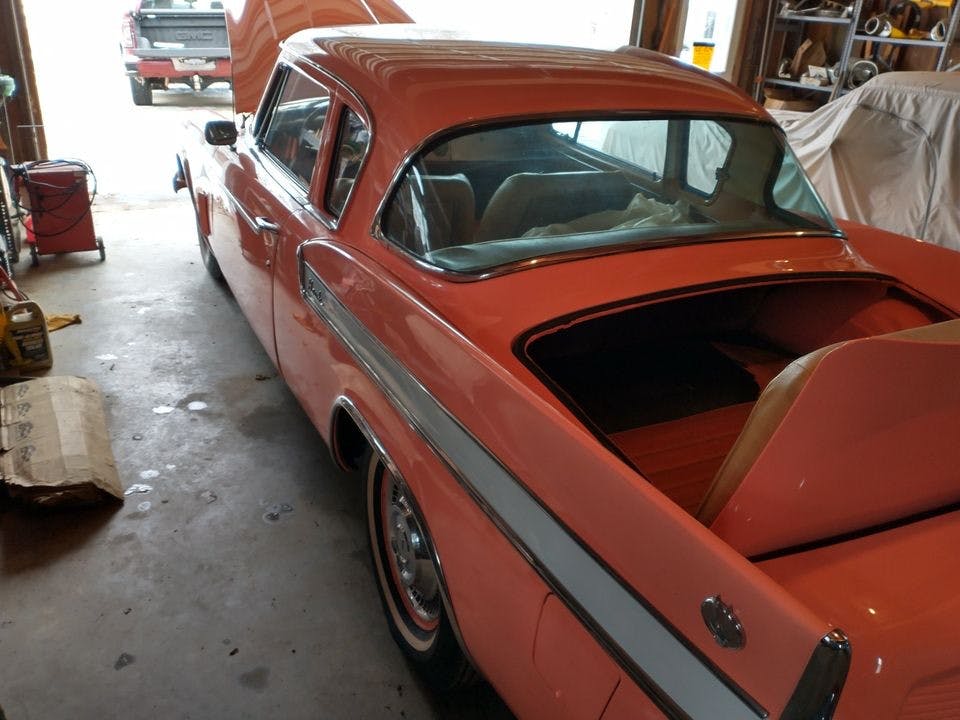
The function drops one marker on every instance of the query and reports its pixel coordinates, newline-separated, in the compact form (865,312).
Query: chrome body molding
(670,669)
(818,691)
(241,210)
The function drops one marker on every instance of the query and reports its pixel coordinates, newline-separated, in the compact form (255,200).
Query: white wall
(601,24)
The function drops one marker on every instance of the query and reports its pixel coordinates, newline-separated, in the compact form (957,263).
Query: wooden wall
(22,128)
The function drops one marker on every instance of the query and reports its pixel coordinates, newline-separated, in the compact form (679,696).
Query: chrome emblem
(722,623)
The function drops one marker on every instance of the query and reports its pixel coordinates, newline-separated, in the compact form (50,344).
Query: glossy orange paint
(457,339)
(602,500)
(580,674)
(897,594)
(406,67)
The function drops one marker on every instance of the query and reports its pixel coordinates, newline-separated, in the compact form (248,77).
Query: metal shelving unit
(796,24)
(944,45)
(852,28)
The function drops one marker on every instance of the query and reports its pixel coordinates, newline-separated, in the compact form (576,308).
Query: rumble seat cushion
(848,437)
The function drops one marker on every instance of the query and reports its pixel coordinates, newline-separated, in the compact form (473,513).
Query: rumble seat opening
(670,384)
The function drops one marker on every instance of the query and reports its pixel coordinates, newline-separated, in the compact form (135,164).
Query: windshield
(498,196)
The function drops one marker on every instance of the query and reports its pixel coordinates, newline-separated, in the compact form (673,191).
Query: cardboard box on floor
(56,449)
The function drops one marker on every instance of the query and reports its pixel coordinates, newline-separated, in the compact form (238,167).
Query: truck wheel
(141,92)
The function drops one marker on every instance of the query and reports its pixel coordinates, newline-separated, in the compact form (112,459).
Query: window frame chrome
(377,226)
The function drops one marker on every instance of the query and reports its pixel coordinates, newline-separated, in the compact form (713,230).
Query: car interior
(671,385)
(477,200)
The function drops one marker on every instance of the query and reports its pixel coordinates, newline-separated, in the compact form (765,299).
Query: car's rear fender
(639,547)
(494,619)
(928,268)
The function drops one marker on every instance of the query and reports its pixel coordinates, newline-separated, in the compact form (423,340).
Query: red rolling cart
(58,198)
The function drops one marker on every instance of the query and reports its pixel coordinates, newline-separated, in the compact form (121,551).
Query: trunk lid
(896,595)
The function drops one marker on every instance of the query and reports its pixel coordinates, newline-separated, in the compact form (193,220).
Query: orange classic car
(644,432)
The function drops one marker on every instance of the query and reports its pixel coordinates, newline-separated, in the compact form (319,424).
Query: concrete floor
(239,585)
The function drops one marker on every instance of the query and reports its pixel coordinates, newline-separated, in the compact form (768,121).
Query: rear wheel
(140,92)
(408,580)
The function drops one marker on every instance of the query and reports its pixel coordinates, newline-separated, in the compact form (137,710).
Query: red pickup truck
(174,41)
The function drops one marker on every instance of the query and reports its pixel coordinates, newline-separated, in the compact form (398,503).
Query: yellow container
(702,54)
(25,341)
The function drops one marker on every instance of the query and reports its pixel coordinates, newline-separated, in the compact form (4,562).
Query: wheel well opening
(348,442)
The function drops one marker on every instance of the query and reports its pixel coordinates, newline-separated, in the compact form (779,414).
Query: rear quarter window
(353,140)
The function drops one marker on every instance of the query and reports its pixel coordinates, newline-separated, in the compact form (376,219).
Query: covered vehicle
(887,154)
(643,431)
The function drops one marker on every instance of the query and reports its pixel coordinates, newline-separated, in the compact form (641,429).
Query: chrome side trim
(350,408)
(818,692)
(241,210)
(676,676)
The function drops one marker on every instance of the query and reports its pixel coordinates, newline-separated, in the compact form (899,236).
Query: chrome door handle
(266,225)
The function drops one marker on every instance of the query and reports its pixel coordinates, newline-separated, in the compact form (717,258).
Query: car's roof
(430,80)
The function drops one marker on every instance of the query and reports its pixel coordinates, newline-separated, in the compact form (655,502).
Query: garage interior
(234,579)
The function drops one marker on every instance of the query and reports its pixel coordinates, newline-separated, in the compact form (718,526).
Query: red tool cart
(57,197)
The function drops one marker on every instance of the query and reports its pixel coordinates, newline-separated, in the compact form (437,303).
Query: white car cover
(888,154)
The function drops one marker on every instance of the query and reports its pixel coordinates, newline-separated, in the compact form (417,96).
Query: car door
(265,185)
(303,341)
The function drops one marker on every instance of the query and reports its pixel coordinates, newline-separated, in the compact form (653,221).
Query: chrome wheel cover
(409,556)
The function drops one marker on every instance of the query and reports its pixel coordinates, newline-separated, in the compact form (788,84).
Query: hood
(256,28)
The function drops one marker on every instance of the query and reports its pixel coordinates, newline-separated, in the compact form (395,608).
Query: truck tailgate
(178,34)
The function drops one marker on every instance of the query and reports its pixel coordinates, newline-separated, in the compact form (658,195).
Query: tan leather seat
(771,408)
(449,201)
(528,200)
(772,405)
(431,212)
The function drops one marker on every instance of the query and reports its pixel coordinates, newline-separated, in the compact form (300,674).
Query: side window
(291,132)
(353,139)
(708,150)
(642,143)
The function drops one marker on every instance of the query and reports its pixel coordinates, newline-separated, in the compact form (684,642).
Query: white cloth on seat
(641,212)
